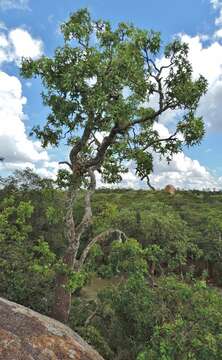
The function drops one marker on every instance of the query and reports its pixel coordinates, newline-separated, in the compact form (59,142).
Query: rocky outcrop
(27,335)
(170,189)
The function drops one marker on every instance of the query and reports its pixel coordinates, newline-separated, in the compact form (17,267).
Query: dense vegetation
(160,296)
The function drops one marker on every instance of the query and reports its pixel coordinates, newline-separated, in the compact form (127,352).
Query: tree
(98,86)
(26,264)
(188,322)
(172,320)
(47,201)
(211,244)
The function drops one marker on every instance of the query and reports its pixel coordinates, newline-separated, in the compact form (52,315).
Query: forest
(155,294)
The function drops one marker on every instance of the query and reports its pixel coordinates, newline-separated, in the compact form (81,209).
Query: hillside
(158,286)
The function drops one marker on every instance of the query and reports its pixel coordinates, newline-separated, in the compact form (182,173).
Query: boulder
(170,189)
(28,335)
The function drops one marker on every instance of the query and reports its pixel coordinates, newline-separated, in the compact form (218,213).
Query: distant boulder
(27,335)
(170,189)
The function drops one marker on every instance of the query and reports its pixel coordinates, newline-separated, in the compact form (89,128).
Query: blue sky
(30,27)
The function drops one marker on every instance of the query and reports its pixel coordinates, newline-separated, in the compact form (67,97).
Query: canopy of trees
(160,293)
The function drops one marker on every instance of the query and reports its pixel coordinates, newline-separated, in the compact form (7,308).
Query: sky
(30,28)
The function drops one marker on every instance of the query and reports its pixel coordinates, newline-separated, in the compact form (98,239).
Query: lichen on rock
(28,335)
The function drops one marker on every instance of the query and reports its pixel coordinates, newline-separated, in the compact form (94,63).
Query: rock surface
(170,189)
(28,335)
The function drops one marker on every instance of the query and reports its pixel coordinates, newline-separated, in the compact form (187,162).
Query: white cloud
(15,146)
(8,167)
(24,45)
(218,20)
(3,26)
(207,60)
(14,4)
(217,5)
(4,48)
(3,41)
(218,34)
(18,43)
(18,150)
(182,172)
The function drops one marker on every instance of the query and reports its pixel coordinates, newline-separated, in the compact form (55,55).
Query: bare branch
(156,77)
(70,232)
(166,66)
(149,184)
(170,138)
(65,163)
(150,61)
(107,141)
(151,118)
(96,140)
(91,316)
(87,217)
(100,238)
(81,143)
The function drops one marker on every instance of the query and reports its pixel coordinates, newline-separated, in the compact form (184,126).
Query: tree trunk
(62,303)
(62,297)
(73,233)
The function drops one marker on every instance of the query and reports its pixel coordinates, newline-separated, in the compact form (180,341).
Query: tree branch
(87,217)
(80,144)
(121,236)
(170,138)
(149,184)
(91,316)
(70,231)
(151,118)
(107,141)
(65,163)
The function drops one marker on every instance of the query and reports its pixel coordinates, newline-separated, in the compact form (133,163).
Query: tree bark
(62,300)
(97,239)
(73,233)
(62,297)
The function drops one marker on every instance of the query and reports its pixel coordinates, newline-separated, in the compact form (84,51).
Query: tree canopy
(164,296)
(100,87)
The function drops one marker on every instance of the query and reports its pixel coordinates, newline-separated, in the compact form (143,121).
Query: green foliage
(161,303)
(26,266)
(194,330)
(48,205)
(105,215)
(100,80)
(43,259)
(170,321)
(128,257)
(92,336)
(76,280)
